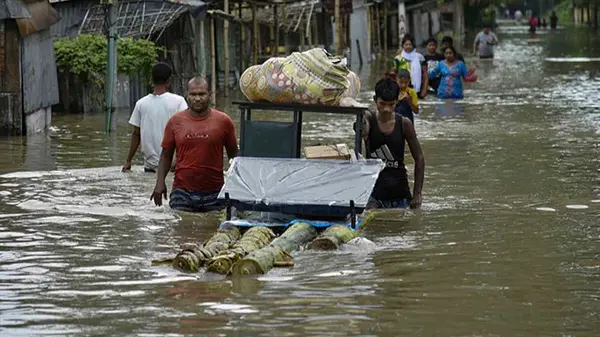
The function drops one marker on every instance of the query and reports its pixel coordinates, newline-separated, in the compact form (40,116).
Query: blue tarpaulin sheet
(314,223)
(303,187)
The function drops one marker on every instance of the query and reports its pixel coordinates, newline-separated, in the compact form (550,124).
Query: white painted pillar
(402,22)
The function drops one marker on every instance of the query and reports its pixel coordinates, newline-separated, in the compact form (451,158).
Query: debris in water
(578,206)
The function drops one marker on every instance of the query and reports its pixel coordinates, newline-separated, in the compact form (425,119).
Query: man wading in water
(198,134)
(485,42)
(150,116)
(385,134)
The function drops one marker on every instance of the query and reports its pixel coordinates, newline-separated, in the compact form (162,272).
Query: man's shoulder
(179,115)
(221,115)
(173,96)
(144,100)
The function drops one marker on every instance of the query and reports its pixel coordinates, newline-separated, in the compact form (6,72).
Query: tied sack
(310,77)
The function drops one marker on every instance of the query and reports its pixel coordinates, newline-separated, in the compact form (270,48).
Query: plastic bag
(471,77)
(310,77)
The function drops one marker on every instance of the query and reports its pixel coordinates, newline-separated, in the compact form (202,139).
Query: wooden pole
(385,25)
(302,42)
(200,48)
(275,51)
(255,44)
(314,36)
(242,33)
(309,34)
(369,29)
(226,46)
(378,28)
(213,62)
(272,34)
(338,28)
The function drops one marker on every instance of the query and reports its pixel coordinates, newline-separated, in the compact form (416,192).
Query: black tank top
(392,183)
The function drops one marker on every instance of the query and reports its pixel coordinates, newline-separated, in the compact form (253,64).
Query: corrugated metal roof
(43,15)
(13,9)
(141,18)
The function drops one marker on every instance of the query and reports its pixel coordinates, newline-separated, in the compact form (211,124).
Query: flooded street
(507,242)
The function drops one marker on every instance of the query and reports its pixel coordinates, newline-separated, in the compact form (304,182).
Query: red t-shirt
(199,145)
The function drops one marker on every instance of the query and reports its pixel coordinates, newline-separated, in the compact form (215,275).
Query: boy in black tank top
(385,134)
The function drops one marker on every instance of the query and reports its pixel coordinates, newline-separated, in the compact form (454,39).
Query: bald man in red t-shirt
(198,134)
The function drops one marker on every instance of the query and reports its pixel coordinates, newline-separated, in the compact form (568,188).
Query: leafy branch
(86,56)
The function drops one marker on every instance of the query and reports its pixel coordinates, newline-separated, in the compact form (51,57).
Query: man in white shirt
(485,42)
(150,117)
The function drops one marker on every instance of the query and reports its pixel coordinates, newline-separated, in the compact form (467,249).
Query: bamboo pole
(255,44)
(309,37)
(314,36)
(370,29)
(200,48)
(272,34)
(275,51)
(242,33)
(213,62)
(226,47)
(378,28)
(338,28)
(286,34)
(302,37)
(385,25)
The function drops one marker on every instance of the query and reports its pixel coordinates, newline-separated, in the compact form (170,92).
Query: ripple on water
(577,206)
(228,307)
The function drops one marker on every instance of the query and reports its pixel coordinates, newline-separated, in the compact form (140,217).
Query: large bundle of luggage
(310,77)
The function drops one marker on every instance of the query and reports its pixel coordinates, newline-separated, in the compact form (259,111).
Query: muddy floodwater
(507,242)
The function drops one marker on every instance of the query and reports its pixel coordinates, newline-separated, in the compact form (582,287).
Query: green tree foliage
(86,56)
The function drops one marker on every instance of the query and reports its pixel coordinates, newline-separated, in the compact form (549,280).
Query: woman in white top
(415,63)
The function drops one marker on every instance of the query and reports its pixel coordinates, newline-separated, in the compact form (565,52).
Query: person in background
(433,58)
(518,15)
(484,43)
(553,20)
(533,21)
(452,72)
(198,134)
(385,134)
(447,41)
(414,63)
(408,101)
(544,23)
(149,117)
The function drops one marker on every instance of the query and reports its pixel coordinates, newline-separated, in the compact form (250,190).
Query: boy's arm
(415,149)
(413,102)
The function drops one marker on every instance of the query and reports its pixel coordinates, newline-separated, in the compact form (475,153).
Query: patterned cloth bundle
(310,77)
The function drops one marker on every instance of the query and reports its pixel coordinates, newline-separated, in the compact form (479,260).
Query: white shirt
(151,114)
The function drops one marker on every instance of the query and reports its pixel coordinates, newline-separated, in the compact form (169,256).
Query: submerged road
(507,242)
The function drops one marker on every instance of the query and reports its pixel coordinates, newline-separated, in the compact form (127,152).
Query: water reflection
(506,242)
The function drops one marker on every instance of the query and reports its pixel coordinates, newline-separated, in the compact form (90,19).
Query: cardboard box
(334,151)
